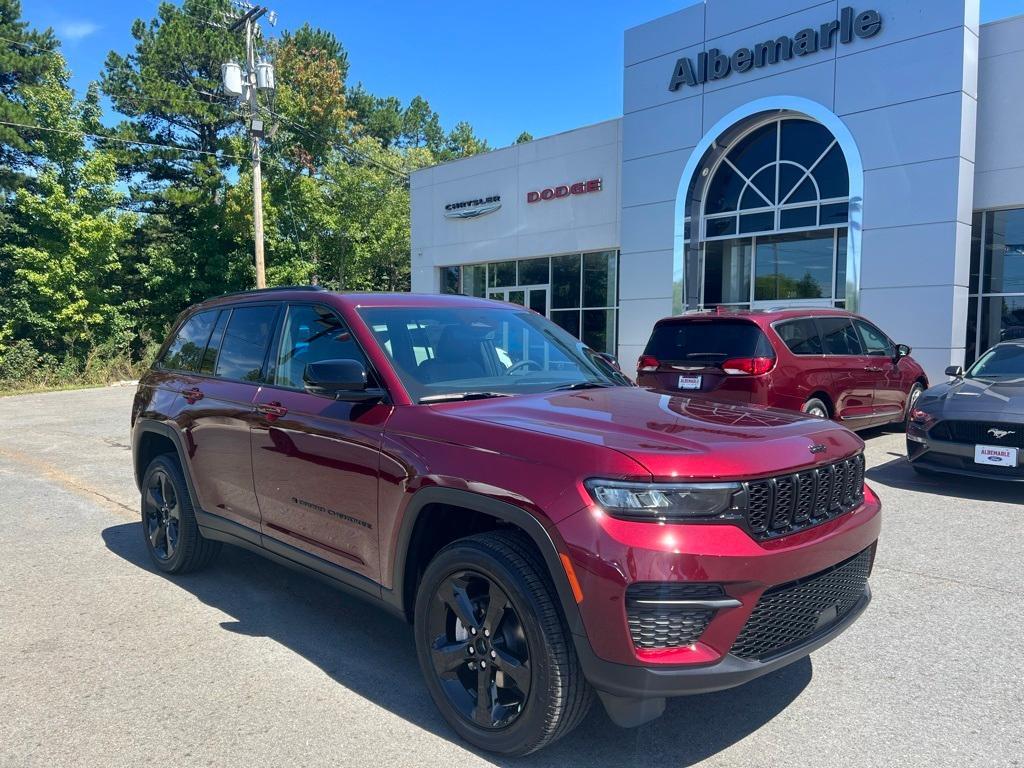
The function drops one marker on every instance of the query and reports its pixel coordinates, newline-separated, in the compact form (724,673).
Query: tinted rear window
(801,336)
(186,350)
(707,341)
(245,343)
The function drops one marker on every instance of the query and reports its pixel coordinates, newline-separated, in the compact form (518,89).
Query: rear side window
(801,336)
(704,341)
(838,336)
(186,350)
(875,342)
(245,343)
(213,347)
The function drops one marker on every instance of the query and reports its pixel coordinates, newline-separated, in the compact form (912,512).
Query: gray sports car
(974,424)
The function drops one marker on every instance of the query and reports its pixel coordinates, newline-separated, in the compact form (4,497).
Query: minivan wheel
(814,407)
(169,521)
(495,653)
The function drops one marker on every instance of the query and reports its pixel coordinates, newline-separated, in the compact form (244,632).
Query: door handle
(874,369)
(192,396)
(272,410)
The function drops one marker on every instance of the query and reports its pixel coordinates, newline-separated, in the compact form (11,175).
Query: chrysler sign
(716,65)
(470,209)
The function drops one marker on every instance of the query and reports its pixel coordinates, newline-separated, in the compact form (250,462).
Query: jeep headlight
(662,502)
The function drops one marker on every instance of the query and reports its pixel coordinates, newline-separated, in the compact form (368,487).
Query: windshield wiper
(451,397)
(584,385)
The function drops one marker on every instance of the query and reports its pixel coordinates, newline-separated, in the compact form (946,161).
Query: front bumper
(609,555)
(955,459)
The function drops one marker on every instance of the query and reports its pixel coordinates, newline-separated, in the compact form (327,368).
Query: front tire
(169,526)
(912,397)
(496,655)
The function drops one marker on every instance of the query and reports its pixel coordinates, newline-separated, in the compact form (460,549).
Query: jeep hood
(673,436)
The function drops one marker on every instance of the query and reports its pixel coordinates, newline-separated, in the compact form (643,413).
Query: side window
(213,347)
(245,343)
(838,336)
(801,336)
(875,342)
(311,334)
(186,351)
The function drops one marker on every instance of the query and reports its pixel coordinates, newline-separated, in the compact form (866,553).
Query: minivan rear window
(707,341)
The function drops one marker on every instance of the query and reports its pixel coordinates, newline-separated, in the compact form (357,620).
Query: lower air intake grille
(787,616)
(657,626)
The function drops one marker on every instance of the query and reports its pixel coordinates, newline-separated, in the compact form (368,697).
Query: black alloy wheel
(494,648)
(169,525)
(479,650)
(162,515)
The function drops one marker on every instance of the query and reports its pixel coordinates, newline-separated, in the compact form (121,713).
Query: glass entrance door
(536,297)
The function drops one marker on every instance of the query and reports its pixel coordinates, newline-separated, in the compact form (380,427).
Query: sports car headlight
(657,502)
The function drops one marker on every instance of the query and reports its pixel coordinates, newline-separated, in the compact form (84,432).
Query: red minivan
(823,362)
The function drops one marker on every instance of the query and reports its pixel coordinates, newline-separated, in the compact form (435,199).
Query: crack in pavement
(66,481)
(958,582)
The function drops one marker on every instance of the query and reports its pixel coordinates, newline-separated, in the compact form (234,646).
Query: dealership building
(785,153)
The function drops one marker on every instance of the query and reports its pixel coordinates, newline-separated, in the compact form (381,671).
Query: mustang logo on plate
(999,434)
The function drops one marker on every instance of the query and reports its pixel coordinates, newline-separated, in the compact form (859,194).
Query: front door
(316,459)
(890,389)
(853,376)
(535,297)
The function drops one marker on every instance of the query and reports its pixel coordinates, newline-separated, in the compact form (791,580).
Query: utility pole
(257,77)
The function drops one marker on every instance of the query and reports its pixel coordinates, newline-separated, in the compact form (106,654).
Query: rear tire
(496,583)
(816,408)
(169,526)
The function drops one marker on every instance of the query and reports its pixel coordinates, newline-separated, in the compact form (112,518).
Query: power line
(30,46)
(101,137)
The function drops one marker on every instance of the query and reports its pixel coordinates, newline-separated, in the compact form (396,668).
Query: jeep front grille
(777,506)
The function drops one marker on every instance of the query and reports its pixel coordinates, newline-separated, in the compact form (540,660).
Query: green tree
(523,137)
(24,57)
(462,142)
(60,273)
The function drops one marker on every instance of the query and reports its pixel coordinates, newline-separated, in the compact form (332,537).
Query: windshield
(707,341)
(1000,363)
(441,351)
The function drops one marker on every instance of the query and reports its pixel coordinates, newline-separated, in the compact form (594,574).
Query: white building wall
(999,169)
(908,96)
(588,222)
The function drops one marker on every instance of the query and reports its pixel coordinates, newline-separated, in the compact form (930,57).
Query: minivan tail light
(748,366)
(647,364)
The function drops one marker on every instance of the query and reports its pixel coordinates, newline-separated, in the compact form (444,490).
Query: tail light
(748,366)
(647,364)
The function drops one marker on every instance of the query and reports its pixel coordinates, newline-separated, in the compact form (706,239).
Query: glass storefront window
(451,279)
(1002,319)
(600,279)
(841,246)
(599,329)
(794,266)
(501,274)
(569,320)
(565,281)
(976,232)
(1004,252)
(474,280)
(534,272)
(727,272)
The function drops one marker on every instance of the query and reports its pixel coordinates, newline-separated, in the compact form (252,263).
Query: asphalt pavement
(105,662)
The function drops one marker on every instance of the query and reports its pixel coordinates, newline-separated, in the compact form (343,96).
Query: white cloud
(76,30)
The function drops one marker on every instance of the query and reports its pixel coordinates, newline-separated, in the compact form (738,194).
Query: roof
(354,300)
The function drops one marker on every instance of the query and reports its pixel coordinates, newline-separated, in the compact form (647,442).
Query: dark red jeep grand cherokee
(549,529)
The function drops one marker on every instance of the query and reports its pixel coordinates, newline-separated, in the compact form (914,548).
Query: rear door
(809,370)
(219,412)
(890,388)
(853,375)
(687,355)
(316,459)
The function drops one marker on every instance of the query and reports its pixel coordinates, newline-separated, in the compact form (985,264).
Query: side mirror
(340,379)
(956,371)
(902,350)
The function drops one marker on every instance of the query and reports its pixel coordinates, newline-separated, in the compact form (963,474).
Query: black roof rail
(260,291)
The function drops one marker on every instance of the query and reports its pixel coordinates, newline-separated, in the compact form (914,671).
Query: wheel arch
(824,396)
(409,562)
(152,438)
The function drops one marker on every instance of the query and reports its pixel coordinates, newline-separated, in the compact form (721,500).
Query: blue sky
(534,65)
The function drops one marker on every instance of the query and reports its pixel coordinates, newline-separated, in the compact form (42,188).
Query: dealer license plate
(995,455)
(690,382)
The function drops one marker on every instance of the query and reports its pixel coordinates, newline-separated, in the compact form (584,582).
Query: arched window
(774,218)
(788,174)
